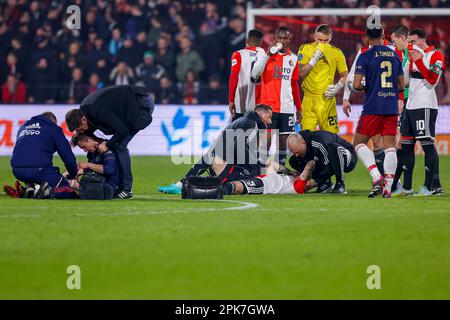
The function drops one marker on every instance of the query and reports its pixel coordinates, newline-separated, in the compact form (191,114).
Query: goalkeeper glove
(333,89)
(318,54)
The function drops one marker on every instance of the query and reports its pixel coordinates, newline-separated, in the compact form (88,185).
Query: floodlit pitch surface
(277,247)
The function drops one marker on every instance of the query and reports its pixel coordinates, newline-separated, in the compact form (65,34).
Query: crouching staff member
(121,111)
(333,156)
(293,183)
(103,163)
(239,152)
(32,159)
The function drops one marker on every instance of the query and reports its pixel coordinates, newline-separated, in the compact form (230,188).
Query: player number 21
(386,74)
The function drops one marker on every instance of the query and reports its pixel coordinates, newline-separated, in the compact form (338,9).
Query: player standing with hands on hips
(278,70)
(383,71)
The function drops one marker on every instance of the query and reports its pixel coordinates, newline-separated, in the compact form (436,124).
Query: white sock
(390,165)
(368,160)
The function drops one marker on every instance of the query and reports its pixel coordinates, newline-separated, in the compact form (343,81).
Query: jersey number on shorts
(333,121)
(291,121)
(386,74)
(420,125)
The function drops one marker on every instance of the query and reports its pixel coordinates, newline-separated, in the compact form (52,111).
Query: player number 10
(420,124)
(386,74)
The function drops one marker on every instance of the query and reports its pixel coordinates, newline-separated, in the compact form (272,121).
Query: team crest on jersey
(291,63)
(233,62)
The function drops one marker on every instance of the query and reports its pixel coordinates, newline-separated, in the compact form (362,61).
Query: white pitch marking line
(242,206)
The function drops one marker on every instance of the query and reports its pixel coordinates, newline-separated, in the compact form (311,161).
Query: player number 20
(386,74)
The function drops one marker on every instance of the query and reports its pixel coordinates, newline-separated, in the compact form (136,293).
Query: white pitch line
(241,206)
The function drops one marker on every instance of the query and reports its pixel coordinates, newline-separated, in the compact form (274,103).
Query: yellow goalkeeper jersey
(322,75)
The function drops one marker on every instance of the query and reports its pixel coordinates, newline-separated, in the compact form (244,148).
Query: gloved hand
(318,54)
(333,89)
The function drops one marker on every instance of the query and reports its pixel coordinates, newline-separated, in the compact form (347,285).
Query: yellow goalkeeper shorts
(316,110)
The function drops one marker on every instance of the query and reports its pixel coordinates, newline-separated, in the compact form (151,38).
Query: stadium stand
(150,43)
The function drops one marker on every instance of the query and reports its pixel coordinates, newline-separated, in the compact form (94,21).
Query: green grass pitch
(274,247)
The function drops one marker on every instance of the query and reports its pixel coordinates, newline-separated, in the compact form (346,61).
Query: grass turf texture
(289,247)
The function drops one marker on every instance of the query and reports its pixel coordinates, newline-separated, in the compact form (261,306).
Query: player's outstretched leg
(367,158)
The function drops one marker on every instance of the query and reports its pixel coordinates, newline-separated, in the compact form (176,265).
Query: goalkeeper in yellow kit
(318,63)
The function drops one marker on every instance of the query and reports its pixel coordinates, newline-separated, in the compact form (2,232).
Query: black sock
(399,170)
(436,181)
(409,160)
(430,163)
(379,160)
(228,188)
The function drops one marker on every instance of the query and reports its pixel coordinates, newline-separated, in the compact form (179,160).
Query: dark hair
(419,32)
(374,33)
(50,115)
(254,36)
(399,30)
(324,28)
(73,119)
(282,29)
(76,138)
(263,108)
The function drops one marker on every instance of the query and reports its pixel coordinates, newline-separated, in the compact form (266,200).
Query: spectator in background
(188,59)
(94,83)
(14,90)
(190,88)
(122,74)
(41,83)
(22,54)
(237,35)
(97,52)
(214,93)
(155,31)
(76,90)
(141,42)
(165,55)
(12,66)
(116,42)
(102,69)
(167,93)
(149,73)
(90,43)
(130,53)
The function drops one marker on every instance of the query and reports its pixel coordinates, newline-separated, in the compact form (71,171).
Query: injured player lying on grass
(274,183)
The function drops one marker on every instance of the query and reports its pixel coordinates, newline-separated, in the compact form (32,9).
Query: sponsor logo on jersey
(300,57)
(233,62)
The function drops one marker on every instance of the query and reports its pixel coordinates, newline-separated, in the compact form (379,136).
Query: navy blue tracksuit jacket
(37,140)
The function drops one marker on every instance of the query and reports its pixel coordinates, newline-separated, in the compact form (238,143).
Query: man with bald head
(332,155)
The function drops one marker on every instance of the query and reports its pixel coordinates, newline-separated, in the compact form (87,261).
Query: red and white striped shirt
(279,87)
(243,91)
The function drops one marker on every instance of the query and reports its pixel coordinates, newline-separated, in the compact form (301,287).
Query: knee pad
(202,188)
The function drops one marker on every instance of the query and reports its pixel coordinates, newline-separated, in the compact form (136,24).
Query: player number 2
(386,74)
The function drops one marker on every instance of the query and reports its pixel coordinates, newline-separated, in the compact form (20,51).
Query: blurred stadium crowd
(179,50)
